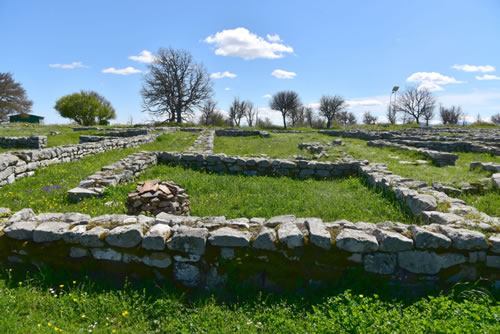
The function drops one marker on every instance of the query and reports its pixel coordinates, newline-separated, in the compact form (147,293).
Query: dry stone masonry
(199,251)
(440,158)
(122,171)
(155,196)
(35,142)
(204,144)
(18,164)
(241,133)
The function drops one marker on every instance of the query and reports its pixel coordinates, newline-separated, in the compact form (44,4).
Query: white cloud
(363,103)
(431,80)
(73,65)
(280,74)
(267,96)
(227,89)
(240,42)
(474,68)
(144,56)
(273,38)
(220,75)
(121,71)
(488,77)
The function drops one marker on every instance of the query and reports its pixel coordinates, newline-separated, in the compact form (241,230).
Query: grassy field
(46,190)
(47,302)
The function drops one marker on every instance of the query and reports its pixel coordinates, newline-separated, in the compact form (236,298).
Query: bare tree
(285,102)
(351,119)
(415,102)
(329,106)
(296,116)
(450,115)
(428,114)
(175,85)
(392,114)
(207,112)
(250,113)
(13,98)
(495,119)
(309,116)
(237,111)
(369,119)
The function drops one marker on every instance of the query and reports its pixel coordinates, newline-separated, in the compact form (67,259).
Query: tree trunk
(179,115)
(284,120)
(328,123)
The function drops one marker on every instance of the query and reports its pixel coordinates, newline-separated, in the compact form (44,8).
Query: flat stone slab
(392,241)
(125,236)
(356,241)
(421,202)
(380,263)
(318,233)
(21,230)
(73,235)
(78,193)
(426,262)
(49,231)
(156,236)
(425,239)
(290,235)
(188,240)
(229,237)
(93,237)
(495,243)
(275,221)
(465,239)
(266,239)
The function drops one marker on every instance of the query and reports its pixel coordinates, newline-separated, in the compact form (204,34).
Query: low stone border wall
(489,166)
(122,171)
(204,144)
(35,142)
(14,165)
(205,251)
(222,163)
(241,133)
(440,158)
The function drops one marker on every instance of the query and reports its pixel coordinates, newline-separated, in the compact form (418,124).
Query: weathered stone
(465,239)
(49,231)
(156,236)
(392,241)
(4,212)
(421,202)
(159,260)
(187,258)
(49,216)
(318,233)
(22,215)
(106,254)
(78,193)
(229,237)
(188,240)
(495,243)
(227,253)
(493,261)
(275,221)
(266,239)
(426,262)
(73,235)
(380,263)
(443,218)
(125,236)
(72,217)
(290,235)
(188,274)
(21,230)
(77,252)
(426,239)
(93,237)
(356,241)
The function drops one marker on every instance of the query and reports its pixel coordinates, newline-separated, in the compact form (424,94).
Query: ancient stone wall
(35,142)
(275,252)
(17,164)
(241,133)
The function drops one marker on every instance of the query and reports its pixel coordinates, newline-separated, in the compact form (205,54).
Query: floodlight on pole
(395,89)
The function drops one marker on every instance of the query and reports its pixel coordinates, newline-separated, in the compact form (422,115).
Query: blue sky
(357,49)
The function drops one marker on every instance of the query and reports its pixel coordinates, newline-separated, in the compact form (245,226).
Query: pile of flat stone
(157,196)
(312,147)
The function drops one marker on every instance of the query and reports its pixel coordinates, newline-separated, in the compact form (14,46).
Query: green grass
(33,191)
(488,203)
(44,303)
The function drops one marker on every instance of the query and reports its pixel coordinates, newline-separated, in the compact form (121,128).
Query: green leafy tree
(13,97)
(85,108)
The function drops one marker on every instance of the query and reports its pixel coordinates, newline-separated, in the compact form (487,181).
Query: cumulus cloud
(220,75)
(227,89)
(474,68)
(273,38)
(240,42)
(431,80)
(267,96)
(280,74)
(122,71)
(144,56)
(487,77)
(73,65)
